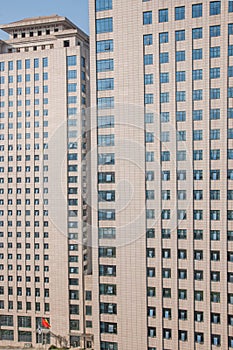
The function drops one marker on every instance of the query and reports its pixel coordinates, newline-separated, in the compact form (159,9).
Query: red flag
(45,323)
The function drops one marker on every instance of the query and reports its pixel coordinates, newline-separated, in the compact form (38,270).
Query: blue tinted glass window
(19,64)
(180,56)
(72,74)
(197,10)
(197,95)
(148,79)
(230,92)
(215,73)
(164,77)
(197,54)
(36,62)
(71,60)
(164,97)
(215,52)
(215,93)
(180,35)
(104,46)
(102,5)
(230,6)
(215,8)
(104,25)
(215,114)
(230,71)
(10,65)
(105,102)
(45,62)
(163,15)
(230,28)
(149,99)
(27,64)
(163,38)
(197,114)
(230,50)
(180,96)
(105,84)
(148,39)
(148,59)
(164,57)
(197,74)
(181,76)
(105,65)
(215,31)
(197,33)
(179,13)
(147,17)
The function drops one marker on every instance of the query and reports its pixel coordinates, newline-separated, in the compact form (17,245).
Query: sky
(14,10)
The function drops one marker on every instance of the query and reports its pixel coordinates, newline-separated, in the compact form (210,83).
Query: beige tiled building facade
(161,79)
(117,221)
(44,85)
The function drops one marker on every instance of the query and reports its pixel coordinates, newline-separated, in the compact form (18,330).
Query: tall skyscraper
(44,85)
(161,82)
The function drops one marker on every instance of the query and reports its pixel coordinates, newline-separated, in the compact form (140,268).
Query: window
(104,84)
(215,31)
(179,13)
(230,50)
(163,57)
(147,17)
(180,96)
(215,73)
(180,76)
(197,54)
(105,102)
(104,46)
(164,77)
(180,116)
(215,52)
(180,35)
(196,10)
(215,154)
(103,5)
(197,74)
(164,97)
(164,117)
(148,59)
(215,8)
(148,39)
(180,56)
(230,6)
(197,33)
(163,15)
(215,134)
(163,38)
(197,135)
(148,79)
(215,93)
(197,95)
(104,25)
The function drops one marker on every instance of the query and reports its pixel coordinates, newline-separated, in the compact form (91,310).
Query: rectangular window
(148,39)
(215,93)
(215,114)
(197,54)
(180,35)
(149,99)
(148,59)
(164,57)
(163,38)
(179,13)
(215,73)
(104,25)
(230,9)
(164,77)
(180,76)
(215,52)
(197,114)
(105,84)
(180,56)
(147,17)
(197,10)
(197,74)
(215,31)
(164,97)
(104,46)
(215,8)
(105,102)
(180,96)
(148,79)
(197,95)
(163,15)
(180,116)
(103,5)
(197,33)
(71,60)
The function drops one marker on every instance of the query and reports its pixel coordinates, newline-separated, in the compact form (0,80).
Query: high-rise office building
(44,85)
(162,84)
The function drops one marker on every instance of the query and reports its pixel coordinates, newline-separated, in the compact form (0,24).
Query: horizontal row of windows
(182,194)
(166,214)
(197,74)
(181,155)
(23,64)
(179,12)
(180,56)
(167,233)
(20,77)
